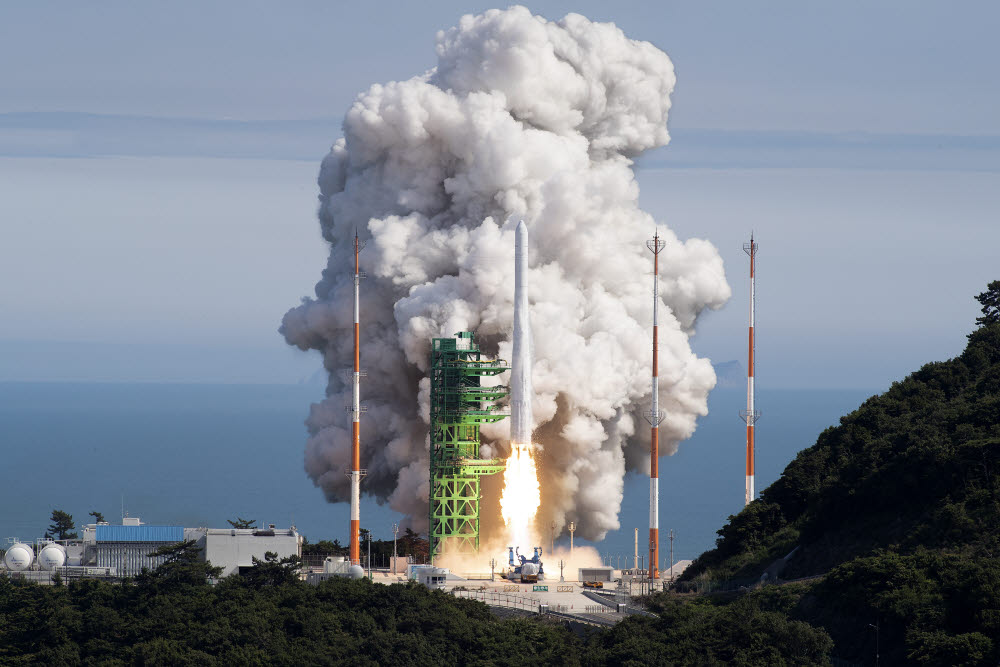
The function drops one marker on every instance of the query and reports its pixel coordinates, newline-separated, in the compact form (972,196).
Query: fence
(498,599)
(598,609)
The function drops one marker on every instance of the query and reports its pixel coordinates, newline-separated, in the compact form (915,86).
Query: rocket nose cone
(522,228)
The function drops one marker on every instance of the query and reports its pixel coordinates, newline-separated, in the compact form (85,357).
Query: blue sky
(157,175)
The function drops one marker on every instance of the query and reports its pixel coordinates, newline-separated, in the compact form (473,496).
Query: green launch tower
(459,404)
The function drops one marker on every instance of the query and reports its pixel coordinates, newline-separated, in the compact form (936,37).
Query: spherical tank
(52,556)
(19,557)
(356,572)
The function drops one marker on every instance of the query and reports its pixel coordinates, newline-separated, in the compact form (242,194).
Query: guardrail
(498,599)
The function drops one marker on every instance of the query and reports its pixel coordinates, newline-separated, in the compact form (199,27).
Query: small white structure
(432,577)
(412,569)
(602,574)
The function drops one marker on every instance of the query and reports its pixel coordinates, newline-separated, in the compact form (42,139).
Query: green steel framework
(459,404)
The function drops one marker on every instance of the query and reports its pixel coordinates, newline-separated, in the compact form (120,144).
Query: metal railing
(498,599)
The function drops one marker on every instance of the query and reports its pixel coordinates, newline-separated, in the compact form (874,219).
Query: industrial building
(233,549)
(126,550)
(118,551)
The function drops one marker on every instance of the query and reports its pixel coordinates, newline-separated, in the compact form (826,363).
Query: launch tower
(459,405)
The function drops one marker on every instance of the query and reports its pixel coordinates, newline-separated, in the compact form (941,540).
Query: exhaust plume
(521,117)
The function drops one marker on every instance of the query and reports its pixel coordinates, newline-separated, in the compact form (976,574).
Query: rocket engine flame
(521,497)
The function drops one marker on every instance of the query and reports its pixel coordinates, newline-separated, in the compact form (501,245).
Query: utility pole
(636,564)
(876,640)
(572,527)
(395,532)
(671,556)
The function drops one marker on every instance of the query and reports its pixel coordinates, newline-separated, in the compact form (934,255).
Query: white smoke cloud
(521,117)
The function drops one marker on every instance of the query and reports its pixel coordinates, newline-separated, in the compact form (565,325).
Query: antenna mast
(750,415)
(356,472)
(654,417)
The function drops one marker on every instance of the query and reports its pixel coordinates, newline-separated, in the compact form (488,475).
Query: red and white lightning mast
(356,472)
(654,417)
(750,415)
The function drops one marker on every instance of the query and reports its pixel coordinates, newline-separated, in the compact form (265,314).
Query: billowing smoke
(534,119)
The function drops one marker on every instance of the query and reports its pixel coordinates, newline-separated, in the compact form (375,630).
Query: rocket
(520,375)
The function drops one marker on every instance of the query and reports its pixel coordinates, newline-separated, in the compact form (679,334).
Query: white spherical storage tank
(19,557)
(52,556)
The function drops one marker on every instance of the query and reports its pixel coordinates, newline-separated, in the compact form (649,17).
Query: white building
(233,549)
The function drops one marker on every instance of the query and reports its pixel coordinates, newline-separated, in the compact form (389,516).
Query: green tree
(323,548)
(62,526)
(242,523)
(98,517)
(273,572)
(990,301)
(182,568)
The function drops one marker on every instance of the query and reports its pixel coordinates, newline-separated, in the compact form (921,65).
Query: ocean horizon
(199,454)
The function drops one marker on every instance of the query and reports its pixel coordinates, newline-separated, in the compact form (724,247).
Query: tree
(242,523)
(98,517)
(990,301)
(182,567)
(323,548)
(62,526)
(271,571)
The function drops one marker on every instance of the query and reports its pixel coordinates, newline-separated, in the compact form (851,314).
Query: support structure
(750,415)
(459,405)
(356,472)
(655,417)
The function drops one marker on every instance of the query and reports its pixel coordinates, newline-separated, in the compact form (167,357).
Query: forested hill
(899,506)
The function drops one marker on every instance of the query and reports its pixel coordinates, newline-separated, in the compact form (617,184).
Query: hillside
(899,506)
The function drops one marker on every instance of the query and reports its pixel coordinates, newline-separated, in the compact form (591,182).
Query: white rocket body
(521,420)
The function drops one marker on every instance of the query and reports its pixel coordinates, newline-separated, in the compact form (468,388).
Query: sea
(199,454)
